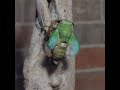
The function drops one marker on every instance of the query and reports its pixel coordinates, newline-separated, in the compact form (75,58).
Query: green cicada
(62,37)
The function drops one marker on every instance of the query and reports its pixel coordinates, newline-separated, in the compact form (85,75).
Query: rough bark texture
(39,71)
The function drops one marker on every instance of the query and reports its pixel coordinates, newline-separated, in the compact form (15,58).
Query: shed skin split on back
(36,76)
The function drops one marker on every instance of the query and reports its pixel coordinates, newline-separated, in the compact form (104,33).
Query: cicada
(62,38)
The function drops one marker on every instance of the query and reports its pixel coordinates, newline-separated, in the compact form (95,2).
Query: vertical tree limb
(36,74)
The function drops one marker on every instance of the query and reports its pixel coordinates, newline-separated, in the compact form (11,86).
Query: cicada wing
(53,40)
(74,45)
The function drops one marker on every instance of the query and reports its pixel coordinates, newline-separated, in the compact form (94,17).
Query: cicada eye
(59,21)
(73,24)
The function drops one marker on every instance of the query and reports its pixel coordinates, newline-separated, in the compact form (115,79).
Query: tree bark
(39,72)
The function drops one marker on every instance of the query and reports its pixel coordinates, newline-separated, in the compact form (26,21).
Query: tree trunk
(39,72)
